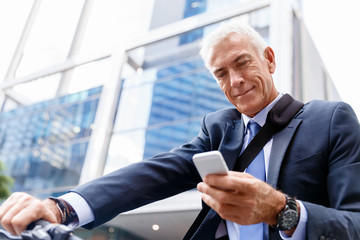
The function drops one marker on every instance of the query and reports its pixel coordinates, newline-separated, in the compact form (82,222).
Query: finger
(209,190)
(241,211)
(235,181)
(6,223)
(210,202)
(11,208)
(19,211)
(19,222)
(32,213)
(240,174)
(219,195)
(235,213)
(8,204)
(218,181)
(226,197)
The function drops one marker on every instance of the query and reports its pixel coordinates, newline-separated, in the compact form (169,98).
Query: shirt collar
(260,117)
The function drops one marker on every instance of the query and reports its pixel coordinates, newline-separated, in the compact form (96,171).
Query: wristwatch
(288,217)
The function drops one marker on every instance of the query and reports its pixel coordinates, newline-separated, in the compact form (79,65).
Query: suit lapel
(280,144)
(234,136)
(232,142)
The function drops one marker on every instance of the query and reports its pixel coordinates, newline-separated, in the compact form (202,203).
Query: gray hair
(234,26)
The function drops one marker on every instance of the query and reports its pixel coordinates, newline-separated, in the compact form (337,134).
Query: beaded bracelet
(68,215)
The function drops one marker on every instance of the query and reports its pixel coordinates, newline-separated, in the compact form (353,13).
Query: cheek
(223,86)
(226,89)
(262,85)
(266,88)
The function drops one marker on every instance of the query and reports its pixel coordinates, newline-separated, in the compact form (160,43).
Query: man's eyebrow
(217,70)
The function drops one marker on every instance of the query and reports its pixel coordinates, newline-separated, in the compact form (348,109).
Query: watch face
(288,219)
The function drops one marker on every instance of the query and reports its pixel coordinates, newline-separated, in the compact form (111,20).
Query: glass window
(90,75)
(114,23)
(51,35)
(44,145)
(38,90)
(13,16)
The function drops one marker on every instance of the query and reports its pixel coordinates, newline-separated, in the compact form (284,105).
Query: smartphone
(210,163)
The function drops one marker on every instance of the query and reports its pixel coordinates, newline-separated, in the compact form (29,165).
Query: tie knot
(254,127)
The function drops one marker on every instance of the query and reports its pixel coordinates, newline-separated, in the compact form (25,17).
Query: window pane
(39,90)
(51,36)
(13,16)
(105,24)
(90,75)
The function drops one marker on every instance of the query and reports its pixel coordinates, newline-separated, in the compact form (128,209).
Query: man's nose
(236,78)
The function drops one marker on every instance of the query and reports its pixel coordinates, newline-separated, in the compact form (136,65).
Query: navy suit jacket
(316,158)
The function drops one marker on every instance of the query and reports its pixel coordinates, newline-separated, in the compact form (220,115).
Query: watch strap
(291,202)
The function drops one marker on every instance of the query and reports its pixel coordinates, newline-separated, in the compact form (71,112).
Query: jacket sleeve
(341,220)
(138,184)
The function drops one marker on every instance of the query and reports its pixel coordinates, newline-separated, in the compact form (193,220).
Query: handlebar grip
(41,223)
(55,231)
(42,230)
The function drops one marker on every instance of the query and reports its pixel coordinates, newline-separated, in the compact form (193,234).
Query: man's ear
(270,57)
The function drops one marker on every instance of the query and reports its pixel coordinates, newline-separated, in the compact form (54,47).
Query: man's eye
(242,63)
(220,76)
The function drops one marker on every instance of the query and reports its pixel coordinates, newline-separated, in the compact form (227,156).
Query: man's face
(243,75)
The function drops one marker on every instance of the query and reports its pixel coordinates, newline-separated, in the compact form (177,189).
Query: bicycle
(42,230)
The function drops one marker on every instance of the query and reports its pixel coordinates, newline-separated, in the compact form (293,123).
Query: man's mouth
(240,94)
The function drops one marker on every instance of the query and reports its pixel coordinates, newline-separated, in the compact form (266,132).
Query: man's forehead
(230,56)
(231,49)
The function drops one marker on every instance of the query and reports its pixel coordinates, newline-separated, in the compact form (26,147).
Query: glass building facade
(43,146)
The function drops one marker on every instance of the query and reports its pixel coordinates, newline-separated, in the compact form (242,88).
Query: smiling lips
(242,93)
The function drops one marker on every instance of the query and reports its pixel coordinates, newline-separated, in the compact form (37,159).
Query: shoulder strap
(277,119)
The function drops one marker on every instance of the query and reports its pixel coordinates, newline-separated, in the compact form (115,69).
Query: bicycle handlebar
(42,230)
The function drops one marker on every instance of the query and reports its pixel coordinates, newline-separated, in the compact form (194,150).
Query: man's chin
(249,108)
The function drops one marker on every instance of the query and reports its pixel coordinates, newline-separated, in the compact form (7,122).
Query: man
(316,159)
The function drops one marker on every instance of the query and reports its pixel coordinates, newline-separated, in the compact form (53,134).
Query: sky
(333,25)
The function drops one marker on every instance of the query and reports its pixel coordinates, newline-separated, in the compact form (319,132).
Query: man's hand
(21,209)
(242,198)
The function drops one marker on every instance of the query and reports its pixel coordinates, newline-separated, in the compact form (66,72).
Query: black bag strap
(277,119)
